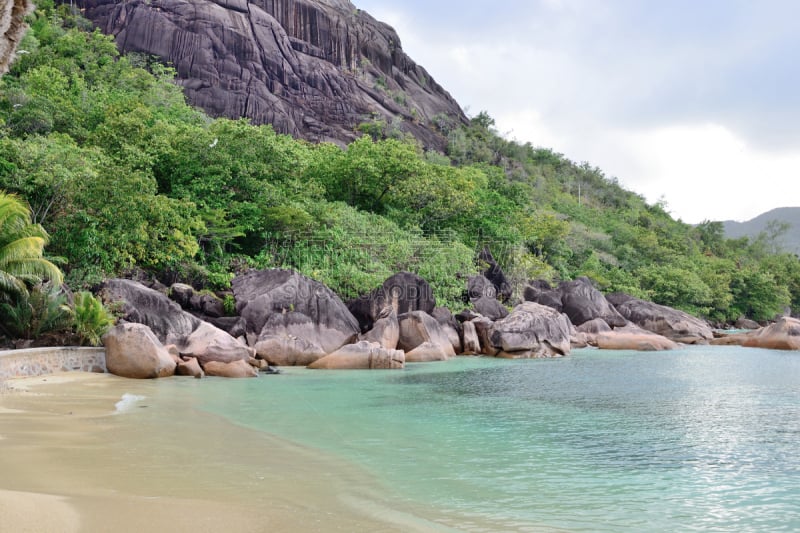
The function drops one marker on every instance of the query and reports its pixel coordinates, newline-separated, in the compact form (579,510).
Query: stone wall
(39,361)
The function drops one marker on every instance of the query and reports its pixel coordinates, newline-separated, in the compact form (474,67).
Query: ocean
(698,439)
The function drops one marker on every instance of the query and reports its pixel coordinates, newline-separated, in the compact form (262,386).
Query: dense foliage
(125,176)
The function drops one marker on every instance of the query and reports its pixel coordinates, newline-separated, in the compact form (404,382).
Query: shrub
(32,314)
(91,319)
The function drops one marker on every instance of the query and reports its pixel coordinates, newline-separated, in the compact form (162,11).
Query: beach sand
(70,464)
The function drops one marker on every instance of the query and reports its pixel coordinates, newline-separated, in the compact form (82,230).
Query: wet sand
(70,464)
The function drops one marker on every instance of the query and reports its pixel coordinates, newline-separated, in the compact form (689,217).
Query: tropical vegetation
(126,178)
(21,249)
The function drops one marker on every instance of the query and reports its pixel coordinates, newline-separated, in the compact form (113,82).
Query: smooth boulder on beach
(191,336)
(133,351)
(386,329)
(418,327)
(235,369)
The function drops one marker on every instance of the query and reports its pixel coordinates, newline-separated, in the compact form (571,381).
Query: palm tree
(21,247)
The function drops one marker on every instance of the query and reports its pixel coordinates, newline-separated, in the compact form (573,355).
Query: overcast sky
(693,102)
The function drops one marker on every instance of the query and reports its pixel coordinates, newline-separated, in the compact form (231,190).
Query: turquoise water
(704,438)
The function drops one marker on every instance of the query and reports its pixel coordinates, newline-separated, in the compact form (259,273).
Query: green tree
(369,172)
(757,295)
(711,236)
(675,286)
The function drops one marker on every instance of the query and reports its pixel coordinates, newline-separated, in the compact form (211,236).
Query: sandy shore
(70,464)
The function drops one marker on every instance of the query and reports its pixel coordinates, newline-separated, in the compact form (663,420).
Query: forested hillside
(129,180)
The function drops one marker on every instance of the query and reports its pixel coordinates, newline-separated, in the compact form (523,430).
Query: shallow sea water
(704,438)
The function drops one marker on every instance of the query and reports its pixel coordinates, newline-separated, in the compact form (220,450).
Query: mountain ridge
(790,240)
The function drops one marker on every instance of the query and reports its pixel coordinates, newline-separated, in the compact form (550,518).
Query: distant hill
(751,228)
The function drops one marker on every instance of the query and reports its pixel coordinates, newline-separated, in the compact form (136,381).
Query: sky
(692,103)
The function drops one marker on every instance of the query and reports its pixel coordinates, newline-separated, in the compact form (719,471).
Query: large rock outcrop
(427,352)
(385,331)
(540,292)
(282,308)
(234,369)
(404,292)
(201,304)
(582,303)
(482,294)
(12,28)
(671,323)
(578,298)
(189,367)
(450,326)
(531,330)
(633,338)
(417,328)
(172,325)
(312,68)
(472,344)
(287,350)
(782,335)
(495,275)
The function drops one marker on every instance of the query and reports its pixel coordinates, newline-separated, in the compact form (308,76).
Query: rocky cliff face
(312,68)
(12,27)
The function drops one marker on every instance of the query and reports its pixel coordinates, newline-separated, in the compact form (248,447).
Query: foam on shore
(128,402)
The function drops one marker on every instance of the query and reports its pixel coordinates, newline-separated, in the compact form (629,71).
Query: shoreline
(71,464)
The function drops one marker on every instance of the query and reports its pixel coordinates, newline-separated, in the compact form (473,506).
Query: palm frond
(20,249)
(13,212)
(10,285)
(36,268)
(32,314)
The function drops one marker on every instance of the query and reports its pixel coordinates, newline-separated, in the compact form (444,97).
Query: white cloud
(703,171)
(692,102)
(528,125)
